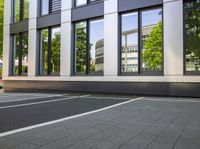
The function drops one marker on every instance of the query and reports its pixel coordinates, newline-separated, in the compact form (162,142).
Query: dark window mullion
(21,10)
(139,42)
(20,53)
(50,6)
(87,47)
(49,51)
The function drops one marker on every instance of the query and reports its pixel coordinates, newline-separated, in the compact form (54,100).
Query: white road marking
(42,102)
(172,100)
(67,118)
(101,97)
(42,97)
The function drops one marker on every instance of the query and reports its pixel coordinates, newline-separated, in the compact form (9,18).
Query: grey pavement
(148,123)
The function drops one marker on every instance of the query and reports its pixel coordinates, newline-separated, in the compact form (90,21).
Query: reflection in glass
(16,54)
(96,46)
(152,40)
(55,53)
(129,49)
(26,9)
(44,7)
(192,35)
(24,68)
(81,2)
(16,10)
(80,47)
(44,52)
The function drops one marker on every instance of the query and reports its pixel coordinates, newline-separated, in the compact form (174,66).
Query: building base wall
(133,88)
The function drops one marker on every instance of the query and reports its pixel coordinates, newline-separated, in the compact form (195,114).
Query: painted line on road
(172,100)
(42,102)
(43,97)
(102,97)
(67,118)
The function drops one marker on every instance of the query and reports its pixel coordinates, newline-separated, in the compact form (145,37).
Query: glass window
(20,54)
(55,51)
(89,47)
(49,6)
(96,54)
(44,7)
(80,47)
(44,52)
(141,42)
(49,59)
(192,36)
(152,40)
(81,2)
(21,10)
(129,49)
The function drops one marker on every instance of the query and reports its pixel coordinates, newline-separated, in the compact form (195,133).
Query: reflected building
(99,55)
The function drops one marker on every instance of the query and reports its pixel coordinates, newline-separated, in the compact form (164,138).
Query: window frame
(49,9)
(21,11)
(186,73)
(49,69)
(140,72)
(87,72)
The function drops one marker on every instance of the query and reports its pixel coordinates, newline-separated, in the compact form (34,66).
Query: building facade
(142,47)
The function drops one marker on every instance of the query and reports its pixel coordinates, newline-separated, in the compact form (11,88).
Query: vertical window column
(21,10)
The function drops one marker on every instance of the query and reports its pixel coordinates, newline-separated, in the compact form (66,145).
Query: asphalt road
(24,113)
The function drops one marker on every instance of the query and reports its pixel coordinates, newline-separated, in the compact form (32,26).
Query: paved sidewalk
(150,123)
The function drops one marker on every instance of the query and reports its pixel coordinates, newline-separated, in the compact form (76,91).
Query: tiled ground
(149,123)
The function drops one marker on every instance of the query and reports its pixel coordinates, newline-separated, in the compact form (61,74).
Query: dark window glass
(152,40)
(80,47)
(192,35)
(20,54)
(96,54)
(129,49)
(49,59)
(89,47)
(21,10)
(141,42)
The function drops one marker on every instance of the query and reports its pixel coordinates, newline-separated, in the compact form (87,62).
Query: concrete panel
(33,8)
(66,5)
(111,44)
(7,11)
(6,56)
(173,38)
(110,6)
(66,16)
(66,55)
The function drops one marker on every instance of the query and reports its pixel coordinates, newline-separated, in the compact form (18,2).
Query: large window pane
(152,40)
(55,53)
(44,52)
(80,47)
(44,7)
(24,56)
(129,43)
(192,35)
(81,2)
(96,55)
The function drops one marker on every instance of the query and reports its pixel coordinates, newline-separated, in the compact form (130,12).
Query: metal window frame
(140,72)
(87,73)
(49,69)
